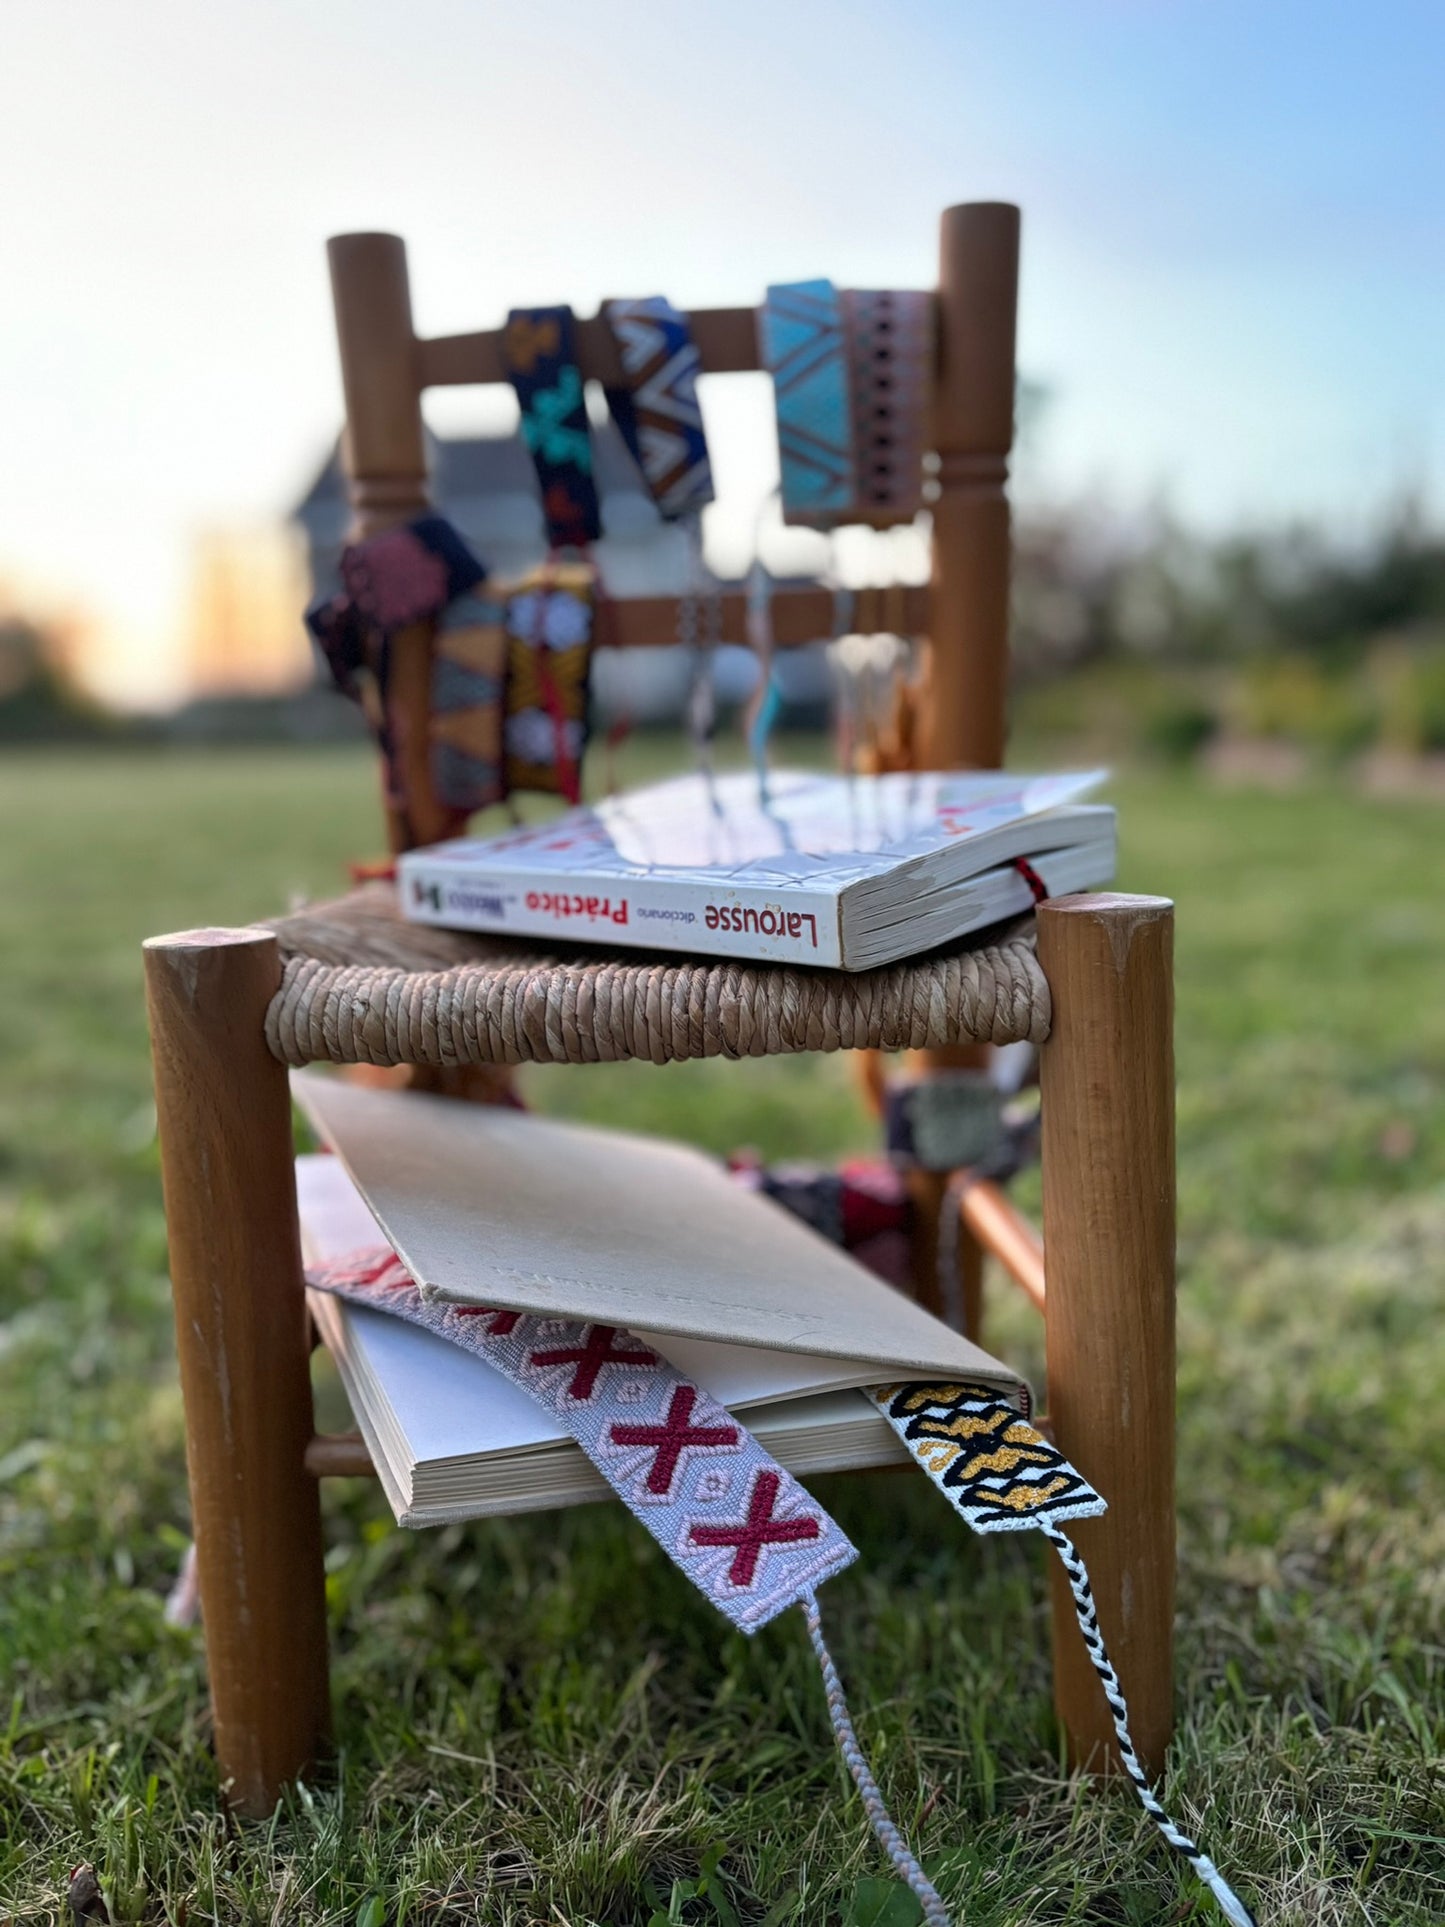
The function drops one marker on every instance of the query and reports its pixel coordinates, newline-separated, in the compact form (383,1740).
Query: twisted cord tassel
(1232,1906)
(894,1845)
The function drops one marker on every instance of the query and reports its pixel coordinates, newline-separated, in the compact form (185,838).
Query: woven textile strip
(468,693)
(656,407)
(1001,1475)
(992,1465)
(391,581)
(742,1529)
(800,332)
(541,359)
(549,623)
(401,576)
(889,338)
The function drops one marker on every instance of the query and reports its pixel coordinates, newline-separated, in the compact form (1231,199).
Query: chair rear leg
(241,1330)
(1107,1076)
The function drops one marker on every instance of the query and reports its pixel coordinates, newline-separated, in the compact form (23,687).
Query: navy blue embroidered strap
(655,405)
(541,358)
(801,335)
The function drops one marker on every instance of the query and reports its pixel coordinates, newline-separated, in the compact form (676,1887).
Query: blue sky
(1234,278)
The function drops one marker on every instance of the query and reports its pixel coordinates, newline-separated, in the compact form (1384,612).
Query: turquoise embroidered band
(800,330)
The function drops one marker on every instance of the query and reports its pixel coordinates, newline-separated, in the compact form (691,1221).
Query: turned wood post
(1107,1076)
(385,450)
(965,718)
(224,1114)
(973,413)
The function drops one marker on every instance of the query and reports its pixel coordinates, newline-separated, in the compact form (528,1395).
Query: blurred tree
(38,700)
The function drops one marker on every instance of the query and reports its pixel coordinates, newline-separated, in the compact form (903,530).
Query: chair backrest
(963,613)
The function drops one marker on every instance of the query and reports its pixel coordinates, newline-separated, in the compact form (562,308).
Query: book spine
(779,926)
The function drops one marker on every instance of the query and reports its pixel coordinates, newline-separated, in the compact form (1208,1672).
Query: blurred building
(486,487)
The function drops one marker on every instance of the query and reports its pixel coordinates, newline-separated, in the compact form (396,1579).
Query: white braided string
(894,1845)
(1233,1907)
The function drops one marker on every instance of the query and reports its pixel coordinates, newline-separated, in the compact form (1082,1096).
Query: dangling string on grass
(1001,1474)
(748,1535)
(1231,1905)
(905,1861)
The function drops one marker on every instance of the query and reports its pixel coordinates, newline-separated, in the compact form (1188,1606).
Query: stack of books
(850,872)
(492,1207)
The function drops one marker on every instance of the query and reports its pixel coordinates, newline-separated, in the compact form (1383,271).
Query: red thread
(502,1321)
(672,1438)
(1037,886)
(590,1357)
(757,1530)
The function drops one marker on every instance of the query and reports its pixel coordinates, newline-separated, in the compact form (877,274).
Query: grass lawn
(539,1720)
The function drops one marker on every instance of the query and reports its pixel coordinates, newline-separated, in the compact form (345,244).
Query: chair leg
(241,1329)
(1107,1076)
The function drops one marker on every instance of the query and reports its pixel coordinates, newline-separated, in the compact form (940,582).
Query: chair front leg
(224,1114)
(1107,1079)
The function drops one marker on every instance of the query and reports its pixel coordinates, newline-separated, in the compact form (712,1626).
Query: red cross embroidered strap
(742,1529)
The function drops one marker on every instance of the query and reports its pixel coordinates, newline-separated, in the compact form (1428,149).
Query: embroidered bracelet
(468,699)
(541,360)
(655,405)
(888,335)
(741,1528)
(549,623)
(800,331)
(392,580)
(1002,1475)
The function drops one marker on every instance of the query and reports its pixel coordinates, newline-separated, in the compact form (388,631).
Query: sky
(1233,275)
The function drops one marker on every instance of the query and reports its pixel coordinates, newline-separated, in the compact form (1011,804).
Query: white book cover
(839,871)
(452,1438)
(490,1206)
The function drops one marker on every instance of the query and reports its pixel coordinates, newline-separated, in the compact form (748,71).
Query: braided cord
(1232,1906)
(894,1845)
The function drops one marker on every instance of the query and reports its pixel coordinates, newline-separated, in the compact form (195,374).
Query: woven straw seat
(362,986)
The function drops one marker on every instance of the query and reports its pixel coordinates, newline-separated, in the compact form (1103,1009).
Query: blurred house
(485,485)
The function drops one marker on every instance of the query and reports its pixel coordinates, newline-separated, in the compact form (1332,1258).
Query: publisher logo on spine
(771,921)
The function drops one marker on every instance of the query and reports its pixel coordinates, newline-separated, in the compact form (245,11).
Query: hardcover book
(848,872)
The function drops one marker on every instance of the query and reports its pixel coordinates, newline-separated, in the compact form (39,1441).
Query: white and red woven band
(743,1530)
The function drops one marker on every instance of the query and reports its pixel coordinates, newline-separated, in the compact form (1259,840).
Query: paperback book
(747,1302)
(847,872)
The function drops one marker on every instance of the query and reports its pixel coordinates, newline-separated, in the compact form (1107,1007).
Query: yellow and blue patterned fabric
(468,697)
(549,623)
(800,331)
(655,405)
(538,347)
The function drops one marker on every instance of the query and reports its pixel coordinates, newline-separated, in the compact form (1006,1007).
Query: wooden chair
(224,1024)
